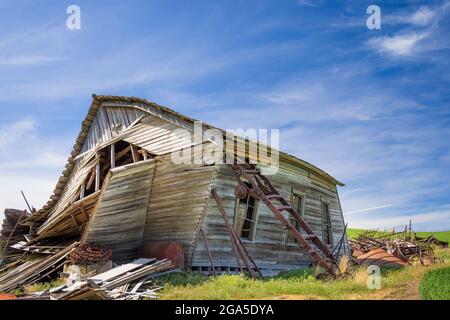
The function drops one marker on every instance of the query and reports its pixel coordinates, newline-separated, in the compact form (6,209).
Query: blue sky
(371,107)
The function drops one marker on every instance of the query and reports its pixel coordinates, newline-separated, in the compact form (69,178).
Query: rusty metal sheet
(380,257)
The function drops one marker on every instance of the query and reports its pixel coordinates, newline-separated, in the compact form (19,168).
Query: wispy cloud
(419,32)
(27,60)
(368,209)
(12,132)
(421,221)
(308,3)
(421,17)
(400,44)
(29,161)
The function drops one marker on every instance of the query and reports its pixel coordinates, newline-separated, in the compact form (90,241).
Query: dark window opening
(116,155)
(326,224)
(245,216)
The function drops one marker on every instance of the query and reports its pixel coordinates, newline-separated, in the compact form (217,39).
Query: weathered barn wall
(120,217)
(71,191)
(177,202)
(269,248)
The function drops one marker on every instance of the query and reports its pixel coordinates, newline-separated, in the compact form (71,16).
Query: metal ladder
(262,189)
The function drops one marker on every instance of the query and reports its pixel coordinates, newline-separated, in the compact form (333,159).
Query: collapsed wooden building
(122,189)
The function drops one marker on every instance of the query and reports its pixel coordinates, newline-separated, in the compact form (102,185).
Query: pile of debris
(432,240)
(32,269)
(90,254)
(394,249)
(12,230)
(130,281)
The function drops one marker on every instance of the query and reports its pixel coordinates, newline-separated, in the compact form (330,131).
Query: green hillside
(441,235)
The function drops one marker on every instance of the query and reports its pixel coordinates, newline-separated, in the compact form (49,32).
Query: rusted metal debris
(90,254)
(380,257)
(405,246)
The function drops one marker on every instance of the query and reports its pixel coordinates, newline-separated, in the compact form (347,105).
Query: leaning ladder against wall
(262,189)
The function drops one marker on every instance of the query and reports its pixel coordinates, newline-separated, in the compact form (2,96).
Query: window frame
(302,195)
(329,224)
(254,222)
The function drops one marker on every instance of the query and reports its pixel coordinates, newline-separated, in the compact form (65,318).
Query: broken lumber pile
(432,240)
(399,245)
(12,230)
(34,270)
(125,282)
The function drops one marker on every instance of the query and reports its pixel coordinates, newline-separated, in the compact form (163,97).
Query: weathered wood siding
(177,203)
(71,191)
(158,136)
(108,123)
(269,248)
(120,217)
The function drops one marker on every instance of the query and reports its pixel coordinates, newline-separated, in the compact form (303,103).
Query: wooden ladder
(262,189)
(238,246)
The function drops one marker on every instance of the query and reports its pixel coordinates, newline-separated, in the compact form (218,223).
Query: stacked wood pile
(401,245)
(12,231)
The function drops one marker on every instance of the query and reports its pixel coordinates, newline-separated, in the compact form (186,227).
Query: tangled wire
(90,254)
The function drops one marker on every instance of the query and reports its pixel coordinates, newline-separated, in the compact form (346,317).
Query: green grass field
(302,284)
(436,285)
(440,235)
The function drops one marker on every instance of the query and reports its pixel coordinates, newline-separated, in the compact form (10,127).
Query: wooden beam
(229,228)
(91,179)
(113,156)
(134,153)
(144,154)
(82,190)
(123,152)
(97,174)
(86,215)
(205,240)
(74,219)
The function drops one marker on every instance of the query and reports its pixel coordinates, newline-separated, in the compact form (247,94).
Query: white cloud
(29,161)
(400,44)
(36,186)
(40,160)
(370,209)
(308,3)
(27,60)
(10,133)
(441,219)
(422,17)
